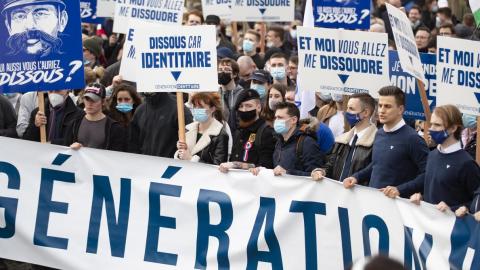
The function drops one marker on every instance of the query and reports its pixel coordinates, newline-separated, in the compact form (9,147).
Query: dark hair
(451,117)
(255,33)
(366,101)
(294,59)
(417,7)
(445,11)
(292,109)
(268,114)
(395,92)
(210,99)
(232,63)
(123,118)
(278,31)
(424,28)
(447,25)
(279,55)
(381,262)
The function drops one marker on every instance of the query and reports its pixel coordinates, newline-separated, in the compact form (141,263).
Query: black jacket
(70,113)
(211,147)
(361,157)
(115,134)
(8,119)
(154,127)
(261,149)
(298,156)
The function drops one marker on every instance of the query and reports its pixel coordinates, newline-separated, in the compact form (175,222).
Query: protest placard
(168,12)
(42,51)
(405,43)
(408,84)
(221,8)
(342,61)
(88,11)
(96,209)
(458,73)
(106,8)
(347,14)
(171,59)
(263,10)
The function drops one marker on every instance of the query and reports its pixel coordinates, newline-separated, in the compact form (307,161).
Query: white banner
(176,58)
(263,10)
(96,209)
(405,42)
(164,12)
(342,61)
(106,8)
(458,74)
(221,8)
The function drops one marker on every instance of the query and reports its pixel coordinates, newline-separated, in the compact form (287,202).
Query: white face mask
(270,44)
(55,99)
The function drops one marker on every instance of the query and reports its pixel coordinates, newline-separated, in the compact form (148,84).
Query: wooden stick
(426,109)
(263,33)
(181,117)
(477,151)
(235,34)
(41,108)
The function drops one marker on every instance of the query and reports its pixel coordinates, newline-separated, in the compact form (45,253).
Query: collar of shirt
(452,148)
(396,127)
(359,134)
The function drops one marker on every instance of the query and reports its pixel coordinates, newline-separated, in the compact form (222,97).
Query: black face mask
(245,84)
(247,116)
(224,78)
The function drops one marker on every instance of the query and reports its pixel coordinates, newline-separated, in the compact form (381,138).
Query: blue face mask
(260,89)
(352,118)
(280,126)
(469,121)
(278,73)
(248,46)
(438,136)
(200,115)
(124,107)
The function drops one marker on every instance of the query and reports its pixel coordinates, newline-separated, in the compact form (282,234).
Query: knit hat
(93,46)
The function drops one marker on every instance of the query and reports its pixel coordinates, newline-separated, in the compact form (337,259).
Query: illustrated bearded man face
(34,26)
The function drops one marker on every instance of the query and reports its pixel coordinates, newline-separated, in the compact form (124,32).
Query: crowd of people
(251,121)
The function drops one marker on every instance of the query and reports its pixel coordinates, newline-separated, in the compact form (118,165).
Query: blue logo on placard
(348,14)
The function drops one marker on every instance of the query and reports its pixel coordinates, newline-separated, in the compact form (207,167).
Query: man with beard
(34,26)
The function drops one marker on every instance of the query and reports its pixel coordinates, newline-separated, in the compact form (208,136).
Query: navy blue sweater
(398,158)
(285,155)
(451,178)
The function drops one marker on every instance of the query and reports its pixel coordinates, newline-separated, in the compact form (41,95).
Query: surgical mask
(224,78)
(278,73)
(293,33)
(55,99)
(248,46)
(280,126)
(200,115)
(247,116)
(438,136)
(469,121)
(434,9)
(438,22)
(325,97)
(260,89)
(269,44)
(272,104)
(124,107)
(337,97)
(352,118)
(109,91)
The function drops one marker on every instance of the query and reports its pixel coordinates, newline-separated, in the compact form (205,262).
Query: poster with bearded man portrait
(40,45)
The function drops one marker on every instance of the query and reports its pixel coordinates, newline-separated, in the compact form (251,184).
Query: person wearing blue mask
(296,153)
(206,137)
(452,176)
(260,81)
(251,41)
(353,149)
(123,103)
(469,134)
(278,64)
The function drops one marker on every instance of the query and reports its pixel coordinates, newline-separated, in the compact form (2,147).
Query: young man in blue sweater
(399,155)
(452,176)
